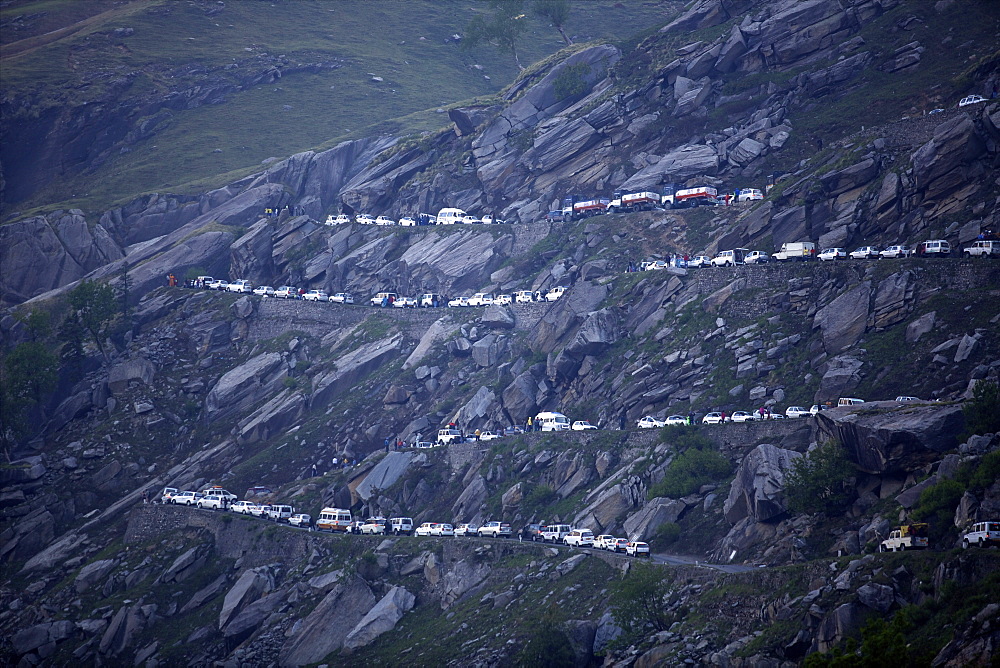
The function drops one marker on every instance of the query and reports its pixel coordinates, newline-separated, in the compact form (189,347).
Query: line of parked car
(804,250)
(567,535)
(341,521)
(447,216)
(763,413)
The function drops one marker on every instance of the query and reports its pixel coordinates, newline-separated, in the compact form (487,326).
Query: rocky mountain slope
(192,387)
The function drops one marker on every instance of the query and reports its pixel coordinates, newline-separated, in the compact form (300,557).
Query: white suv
(241,285)
(400,525)
(982,534)
(983,248)
(554,533)
(481,299)
(896,252)
(446,436)
(211,501)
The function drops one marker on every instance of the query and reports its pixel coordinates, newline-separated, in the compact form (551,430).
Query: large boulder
(881,439)
(757,491)
(251,585)
(381,618)
(385,474)
(240,388)
(945,163)
(351,367)
(138,370)
(328,625)
(679,164)
(843,321)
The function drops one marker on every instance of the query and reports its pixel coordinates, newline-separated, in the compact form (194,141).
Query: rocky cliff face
(204,387)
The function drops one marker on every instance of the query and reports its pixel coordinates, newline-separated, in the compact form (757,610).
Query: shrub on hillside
(689,471)
(821,481)
(982,412)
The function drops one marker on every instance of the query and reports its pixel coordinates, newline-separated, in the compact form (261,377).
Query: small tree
(95,305)
(28,374)
(639,602)
(548,647)
(821,481)
(501,29)
(555,12)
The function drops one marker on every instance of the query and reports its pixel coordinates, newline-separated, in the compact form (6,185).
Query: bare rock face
(245,385)
(121,375)
(381,618)
(251,585)
(45,252)
(881,440)
(942,165)
(757,491)
(384,475)
(328,625)
(844,320)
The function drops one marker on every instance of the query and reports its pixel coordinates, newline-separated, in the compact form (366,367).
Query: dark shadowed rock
(757,491)
(880,439)
(844,320)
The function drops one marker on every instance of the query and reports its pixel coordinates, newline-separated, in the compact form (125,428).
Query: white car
(481,299)
(405,302)
(211,501)
(896,252)
(743,416)
(495,529)
(470,220)
(699,261)
(797,412)
(616,545)
(637,549)
(342,219)
(864,253)
(524,297)
(242,507)
(555,293)
(714,418)
(650,422)
(384,220)
(364,219)
(186,498)
(466,529)
(443,529)
(750,195)
(407,221)
(259,510)
(816,408)
(300,520)
(286,292)
(676,420)
(342,298)
(579,538)
(582,425)
(241,285)
(374,525)
(458,302)
(264,291)
(316,296)
(217,284)
(167,494)
(503,300)
(488,436)
(600,543)
(832,254)
(756,257)
(906,399)
(971,99)
(982,534)
(425,529)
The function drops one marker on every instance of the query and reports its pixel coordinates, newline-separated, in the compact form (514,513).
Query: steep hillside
(153,96)
(765,534)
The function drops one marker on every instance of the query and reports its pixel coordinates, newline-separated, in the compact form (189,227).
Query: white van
(849,401)
(334,519)
(550,421)
(450,216)
(280,513)
(524,297)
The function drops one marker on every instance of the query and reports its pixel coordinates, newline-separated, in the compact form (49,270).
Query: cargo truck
(906,537)
(795,250)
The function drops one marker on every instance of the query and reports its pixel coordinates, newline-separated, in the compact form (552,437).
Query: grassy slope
(294,114)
